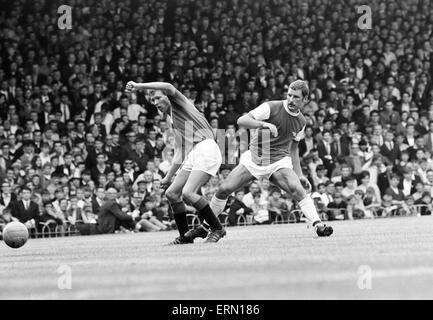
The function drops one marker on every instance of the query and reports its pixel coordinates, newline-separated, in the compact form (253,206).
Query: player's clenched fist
(271,127)
(130,86)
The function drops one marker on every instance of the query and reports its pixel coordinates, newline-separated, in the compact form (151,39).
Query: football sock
(217,205)
(207,214)
(309,210)
(179,212)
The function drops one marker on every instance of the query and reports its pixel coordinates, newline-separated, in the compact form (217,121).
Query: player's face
(161,101)
(295,99)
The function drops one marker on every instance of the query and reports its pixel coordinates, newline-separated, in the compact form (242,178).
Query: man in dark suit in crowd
(389,115)
(139,155)
(7,197)
(409,181)
(111,217)
(150,143)
(413,150)
(93,151)
(98,199)
(127,149)
(100,168)
(272,92)
(389,148)
(44,117)
(384,178)
(45,95)
(26,210)
(120,69)
(128,167)
(393,189)
(112,148)
(326,151)
(340,144)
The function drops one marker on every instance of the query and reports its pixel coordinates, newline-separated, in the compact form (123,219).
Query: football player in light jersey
(197,157)
(273,154)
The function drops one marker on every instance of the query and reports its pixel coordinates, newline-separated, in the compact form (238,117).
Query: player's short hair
(152,92)
(301,85)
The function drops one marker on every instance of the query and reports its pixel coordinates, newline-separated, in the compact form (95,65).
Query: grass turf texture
(257,262)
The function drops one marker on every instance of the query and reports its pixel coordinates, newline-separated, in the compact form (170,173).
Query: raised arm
(168,88)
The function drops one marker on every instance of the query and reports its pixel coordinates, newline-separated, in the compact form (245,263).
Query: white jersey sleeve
(262,112)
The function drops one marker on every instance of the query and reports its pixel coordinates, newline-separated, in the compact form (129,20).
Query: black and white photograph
(216,154)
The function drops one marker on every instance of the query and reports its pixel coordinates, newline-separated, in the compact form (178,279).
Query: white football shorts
(264,171)
(205,156)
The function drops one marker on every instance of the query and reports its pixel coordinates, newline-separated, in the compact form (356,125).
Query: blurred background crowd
(71,140)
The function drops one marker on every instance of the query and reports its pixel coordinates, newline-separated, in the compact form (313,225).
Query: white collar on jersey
(286,106)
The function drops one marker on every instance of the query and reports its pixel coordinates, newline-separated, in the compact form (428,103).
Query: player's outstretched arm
(168,88)
(248,121)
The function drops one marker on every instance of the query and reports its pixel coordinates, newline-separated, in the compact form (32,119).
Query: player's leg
(239,177)
(236,179)
(190,195)
(210,164)
(288,180)
(174,197)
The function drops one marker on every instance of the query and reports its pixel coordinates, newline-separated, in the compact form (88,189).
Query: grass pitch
(258,262)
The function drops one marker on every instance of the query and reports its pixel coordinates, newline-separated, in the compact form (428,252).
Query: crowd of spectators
(70,139)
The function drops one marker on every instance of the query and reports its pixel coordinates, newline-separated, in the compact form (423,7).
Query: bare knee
(289,182)
(173,195)
(224,191)
(188,197)
(296,190)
